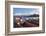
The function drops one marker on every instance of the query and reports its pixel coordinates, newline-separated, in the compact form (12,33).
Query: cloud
(30,13)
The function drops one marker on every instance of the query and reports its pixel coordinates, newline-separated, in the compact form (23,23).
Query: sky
(25,11)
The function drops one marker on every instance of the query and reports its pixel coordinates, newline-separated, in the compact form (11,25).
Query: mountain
(34,15)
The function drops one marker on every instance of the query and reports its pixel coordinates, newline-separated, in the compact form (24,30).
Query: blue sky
(20,11)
